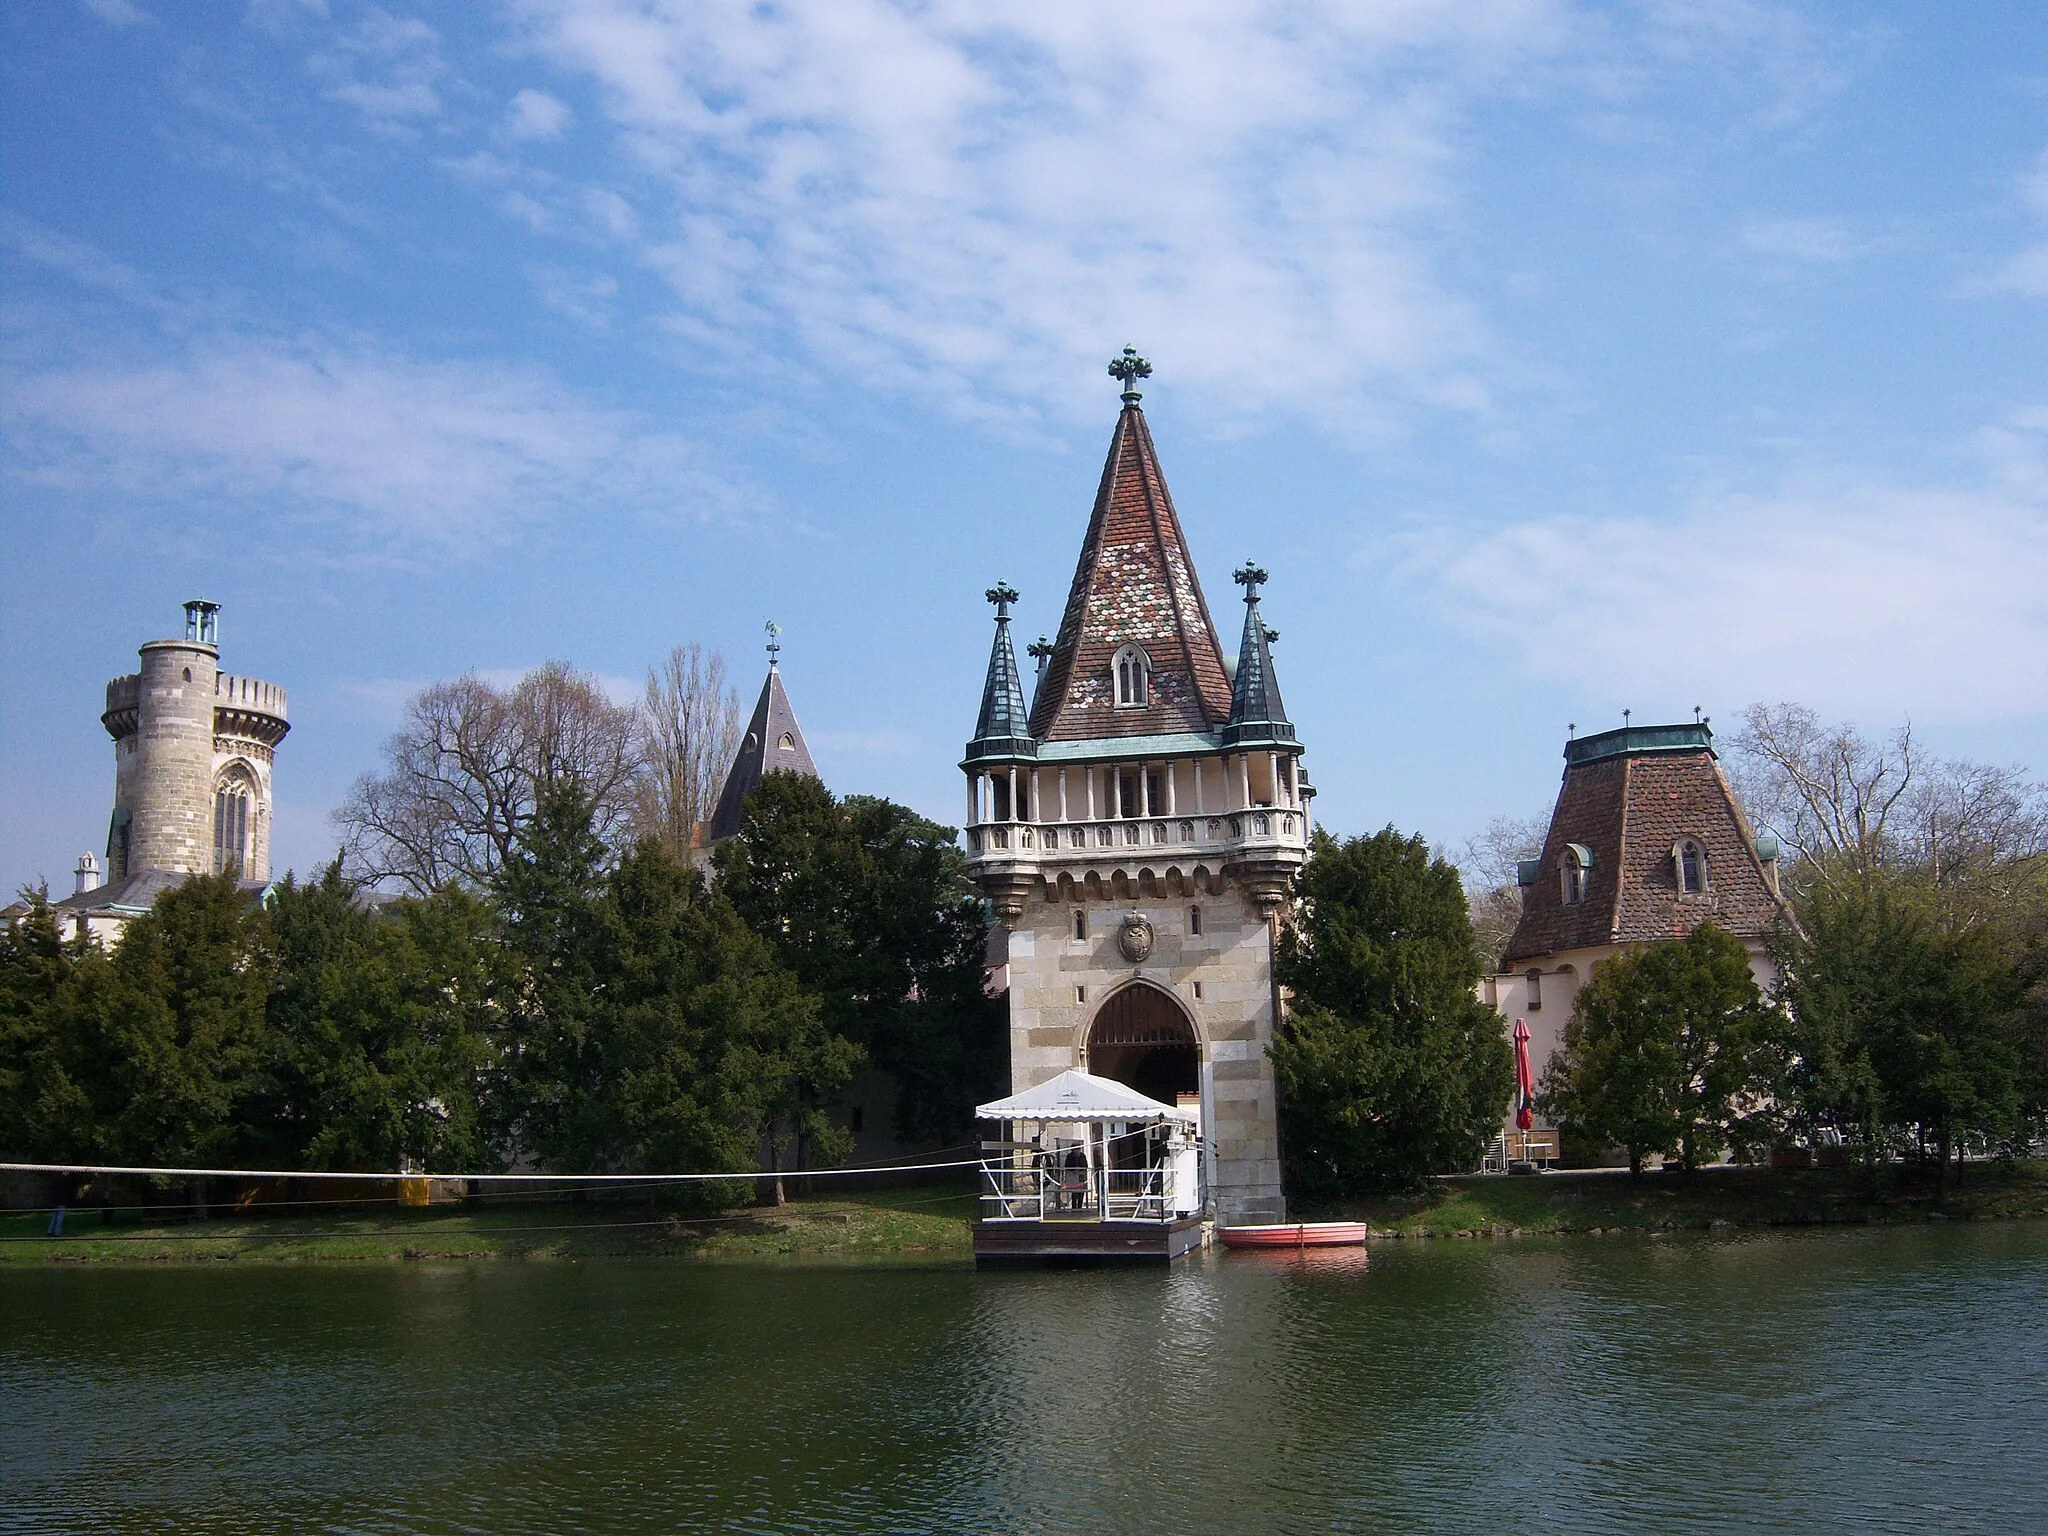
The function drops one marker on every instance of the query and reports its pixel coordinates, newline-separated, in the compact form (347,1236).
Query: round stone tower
(193,750)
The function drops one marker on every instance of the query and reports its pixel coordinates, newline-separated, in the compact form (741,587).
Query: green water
(1874,1380)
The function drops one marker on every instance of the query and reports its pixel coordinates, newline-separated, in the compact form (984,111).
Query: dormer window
(1131,670)
(787,744)
(1573,866)
(1689,861)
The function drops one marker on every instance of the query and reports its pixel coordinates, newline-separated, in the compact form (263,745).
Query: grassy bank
(929,1224)
(1719,1197)
(926,1222)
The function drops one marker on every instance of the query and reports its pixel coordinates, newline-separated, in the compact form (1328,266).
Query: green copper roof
(1633,739)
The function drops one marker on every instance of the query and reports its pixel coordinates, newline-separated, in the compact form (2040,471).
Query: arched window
(1572,867)
(1689,861)
(1132,671)
(231,825)
(787,744)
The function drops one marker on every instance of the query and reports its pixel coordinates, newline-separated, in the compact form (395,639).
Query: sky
(1554,359)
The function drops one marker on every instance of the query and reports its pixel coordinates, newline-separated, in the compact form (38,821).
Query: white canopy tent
(1075,1097)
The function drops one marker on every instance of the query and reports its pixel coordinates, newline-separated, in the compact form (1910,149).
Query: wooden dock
(1085,1244)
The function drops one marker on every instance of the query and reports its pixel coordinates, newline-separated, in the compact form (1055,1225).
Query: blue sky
(1555,360)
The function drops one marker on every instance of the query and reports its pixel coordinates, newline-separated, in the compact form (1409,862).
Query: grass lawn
(931,1222)
(1739,1197)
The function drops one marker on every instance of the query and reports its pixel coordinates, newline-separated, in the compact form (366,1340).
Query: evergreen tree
(1389,1067)
(45,1113)
(868,903)
(1670,1049)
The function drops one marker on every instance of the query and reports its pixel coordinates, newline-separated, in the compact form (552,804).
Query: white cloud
(536,115)
(982,199)
(1816,241)
(388,69)
(1856,594)
(119,13)
(407,455)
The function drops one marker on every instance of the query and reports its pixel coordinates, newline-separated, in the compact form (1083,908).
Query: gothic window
(231,826)
(1259,826)
(788,742)
(1187,831)
(1132,671)
(1572,866)
(1689,859)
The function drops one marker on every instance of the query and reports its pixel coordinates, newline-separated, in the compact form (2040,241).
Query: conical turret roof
(1001,730)
(1135,584)
(1256,711)
(774,743)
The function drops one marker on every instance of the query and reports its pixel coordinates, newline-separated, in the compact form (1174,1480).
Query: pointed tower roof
(1001,730)
(1135,584)
(774,743)
(1256,712)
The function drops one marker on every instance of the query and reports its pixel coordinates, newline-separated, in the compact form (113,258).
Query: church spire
(1002,730)
(1135,601)
(1256,712)
(774,743)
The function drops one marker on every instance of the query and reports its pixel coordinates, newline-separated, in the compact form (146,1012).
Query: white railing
(1023,1192)
(1120,838)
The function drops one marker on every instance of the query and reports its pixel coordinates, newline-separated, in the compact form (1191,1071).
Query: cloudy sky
(1556,359)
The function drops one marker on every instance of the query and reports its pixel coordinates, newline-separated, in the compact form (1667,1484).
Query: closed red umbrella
(1525,1079)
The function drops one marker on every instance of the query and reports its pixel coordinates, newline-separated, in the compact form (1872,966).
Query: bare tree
(689,728)
(1826,791)
(464,770)
(1977,837)
(1493,891)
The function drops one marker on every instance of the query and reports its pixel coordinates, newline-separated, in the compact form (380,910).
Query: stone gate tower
(1137,830)
(193,749)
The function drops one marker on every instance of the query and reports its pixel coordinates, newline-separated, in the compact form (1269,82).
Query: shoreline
(925,1225)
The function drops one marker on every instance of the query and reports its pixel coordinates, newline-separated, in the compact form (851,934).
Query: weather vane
(1002,594)
(774,640)
(1127,370)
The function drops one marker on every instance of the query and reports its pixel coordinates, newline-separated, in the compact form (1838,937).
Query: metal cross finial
(1002,594)
(1248,576)
(1624,718)
(1127,370)
(1695,714)
(774,641)
(1040,651)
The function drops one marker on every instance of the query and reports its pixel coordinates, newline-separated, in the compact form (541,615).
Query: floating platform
(1084,1244)
(1296,1234)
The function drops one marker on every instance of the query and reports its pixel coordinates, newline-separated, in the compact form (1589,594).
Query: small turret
(1002,731)
(88,874)
(1256,712)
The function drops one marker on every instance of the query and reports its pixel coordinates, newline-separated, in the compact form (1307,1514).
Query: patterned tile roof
(1629,808)
(774,743)
(1001,730)
(1135,583)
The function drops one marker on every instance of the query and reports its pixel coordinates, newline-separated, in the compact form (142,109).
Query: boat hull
(1296,1234)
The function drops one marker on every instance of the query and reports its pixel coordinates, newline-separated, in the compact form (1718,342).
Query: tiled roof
(1256,711)
(1001,730)
(1135,582)
(762,751)
(1630,808)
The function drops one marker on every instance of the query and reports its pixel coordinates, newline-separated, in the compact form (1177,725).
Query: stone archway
(1142,1038)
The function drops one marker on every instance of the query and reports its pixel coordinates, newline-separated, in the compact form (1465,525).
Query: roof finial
(774,642)
(1127,370)
(1248,576)
(1002,594)
(1624,718)
(1571,731)
(1040,651)
(1695,714)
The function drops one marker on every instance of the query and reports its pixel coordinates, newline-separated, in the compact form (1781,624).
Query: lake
(1873,1379)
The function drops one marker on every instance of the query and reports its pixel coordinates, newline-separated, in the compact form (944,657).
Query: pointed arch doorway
(1141,1037)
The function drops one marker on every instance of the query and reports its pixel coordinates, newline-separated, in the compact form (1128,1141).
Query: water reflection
(1870,1380)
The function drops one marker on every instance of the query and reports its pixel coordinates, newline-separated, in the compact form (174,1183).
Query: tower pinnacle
(774,646)
(1127,370)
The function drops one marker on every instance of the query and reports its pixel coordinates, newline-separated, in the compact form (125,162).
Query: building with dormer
(1137,827)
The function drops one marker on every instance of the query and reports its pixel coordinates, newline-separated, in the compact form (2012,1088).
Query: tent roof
(1080,1096)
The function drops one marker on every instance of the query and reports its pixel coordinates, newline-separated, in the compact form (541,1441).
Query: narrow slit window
(1080,924)
(1195,921)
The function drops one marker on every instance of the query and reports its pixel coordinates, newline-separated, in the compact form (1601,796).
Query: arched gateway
(1142,1038)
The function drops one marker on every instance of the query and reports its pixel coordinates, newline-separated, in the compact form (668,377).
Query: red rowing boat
(1296,1234)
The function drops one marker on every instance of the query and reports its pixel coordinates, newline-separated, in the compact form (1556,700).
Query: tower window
(1195,920)
(230,828)
(1080,923)
(1131,670)
(1535,981)
(1080,994)
(1689,859)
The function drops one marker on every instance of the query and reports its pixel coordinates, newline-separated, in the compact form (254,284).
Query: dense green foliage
(587,1010)
(869,905)
(1389,1067)
(1670,1049)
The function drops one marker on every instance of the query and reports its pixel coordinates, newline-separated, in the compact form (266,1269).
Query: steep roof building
(1648,841)
(773,743)
(1137,831)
